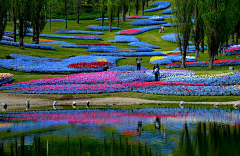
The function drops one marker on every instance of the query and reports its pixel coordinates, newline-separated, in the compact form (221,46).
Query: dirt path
(17,100)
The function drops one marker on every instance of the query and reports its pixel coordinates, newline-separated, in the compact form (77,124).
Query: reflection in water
(155,131)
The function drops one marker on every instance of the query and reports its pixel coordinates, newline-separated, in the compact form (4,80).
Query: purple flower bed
(69,37)
(160,5)
(126,68)
(124,39)
(26,45)
(55,20)
(97,27)
(140,30)
(62,31)
(147,22)
(143,44)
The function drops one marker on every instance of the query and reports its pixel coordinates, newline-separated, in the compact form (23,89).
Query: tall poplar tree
(124,5)
(13,16)
(214,13)
(183,11)
(137,7)
(143,4)
(77,5)
(4,6)
(38,18)
(102,10)
(111,9)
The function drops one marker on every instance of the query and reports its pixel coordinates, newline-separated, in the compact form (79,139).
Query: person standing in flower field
(156,71)
(105,67)
(138,59)
(162,27)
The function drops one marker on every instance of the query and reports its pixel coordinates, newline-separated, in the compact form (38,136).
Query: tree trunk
(118,9)
(211,59)
(142,8)
(232,38)
(77,16)
(237,36)
(197,49)
(110,25)
(123,13)
(129,8)
(202,46)
(226,43)
(184,54)
(147,4)
(221,49)
(20,32)
(9,16)
(216,56)
(33,35)
(14,26)
(50,11)
(66,13)
(102,19)
(36,37)
(136,7)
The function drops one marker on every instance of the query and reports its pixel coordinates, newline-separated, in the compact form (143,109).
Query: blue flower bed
(183,90)
(172,58)
(147,22)
(52,42)
(143,44)
(124,39)
(142,29)
(126,68)
(172,38)
(168,11)
(160,5)
(55,20)
(5,80)
(190,49)
(156,18)
(131,54)
(78,32)
(136,17)
(102,48)
(68,37)
(94,27)
(225,80)
(24,63)
(170,25)
(6,38)
(166,16)
(99,19)
(26,45)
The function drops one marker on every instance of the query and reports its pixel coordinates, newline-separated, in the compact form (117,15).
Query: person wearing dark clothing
(156,71)
(138,59)
(105,67)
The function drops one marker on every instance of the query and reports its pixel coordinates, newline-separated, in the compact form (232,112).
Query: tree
(77,4)
(124,9)
(4,6)
(183,12)
(143,4)
(214,13)
(38,18)
(66,6)
(102,9)
(13,14)
(110,6)
(24,17)
(137,7)
(118,4)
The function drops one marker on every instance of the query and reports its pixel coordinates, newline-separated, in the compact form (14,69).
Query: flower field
(160,5)
(5,78)
(143,44)
(23,63)
(147,22)
(124,39)
(97,27)
(139,30)
(69,31)
(205,63)
(172,38)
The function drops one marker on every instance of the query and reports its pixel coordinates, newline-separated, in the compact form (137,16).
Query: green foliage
(4,6)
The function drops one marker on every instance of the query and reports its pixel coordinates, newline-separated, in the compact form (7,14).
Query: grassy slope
(152,37)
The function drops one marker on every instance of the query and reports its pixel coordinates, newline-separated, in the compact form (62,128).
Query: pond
(147,131)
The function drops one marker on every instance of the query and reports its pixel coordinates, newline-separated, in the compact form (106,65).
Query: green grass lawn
(152,37)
